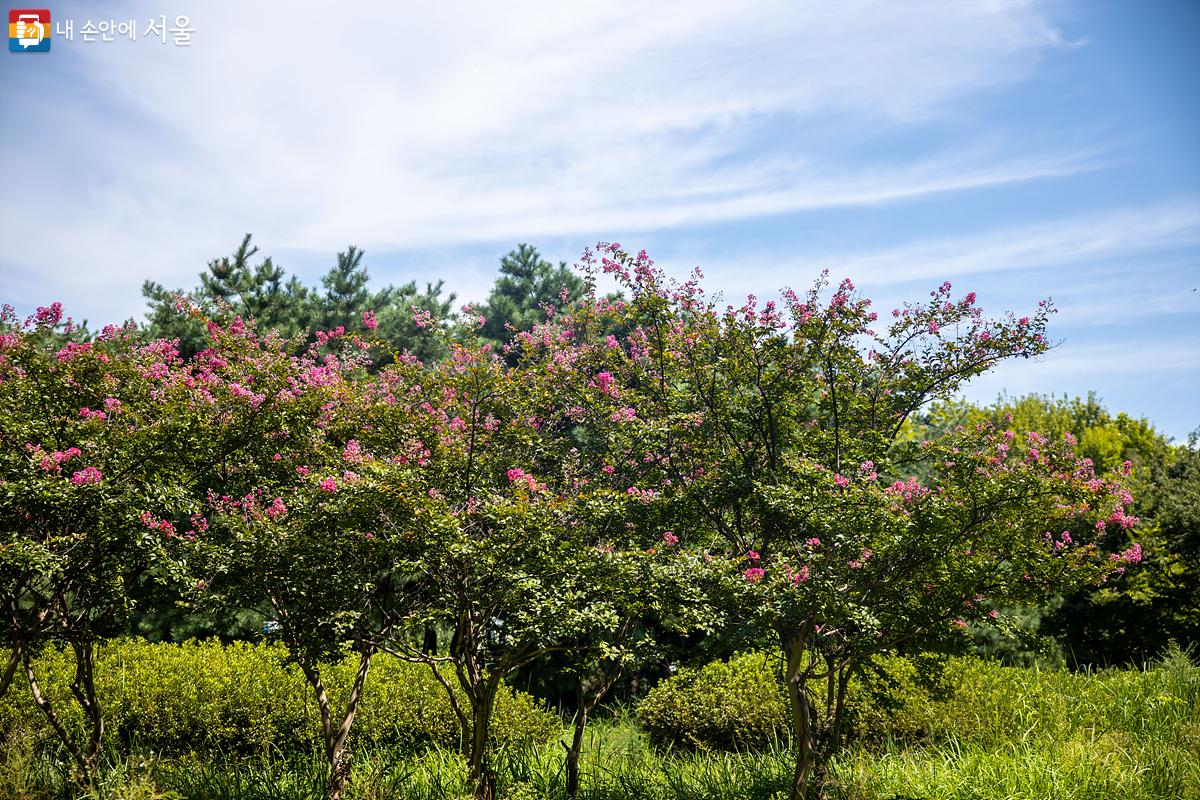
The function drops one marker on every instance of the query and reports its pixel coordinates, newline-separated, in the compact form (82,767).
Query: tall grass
(1002,734)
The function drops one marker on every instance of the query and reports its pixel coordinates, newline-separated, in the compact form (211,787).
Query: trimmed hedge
(246,698)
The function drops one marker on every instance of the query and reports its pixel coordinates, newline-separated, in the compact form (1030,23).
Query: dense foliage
(247,698)
(1133,617)
(993,733)
(621,474)
(742,705)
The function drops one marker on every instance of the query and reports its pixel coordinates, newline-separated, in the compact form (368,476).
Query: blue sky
(1019,150)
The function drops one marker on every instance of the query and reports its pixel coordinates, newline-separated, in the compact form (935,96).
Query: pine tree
(527,284)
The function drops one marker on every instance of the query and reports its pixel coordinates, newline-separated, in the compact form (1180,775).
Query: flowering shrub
(75,479)
(649,456)
(777,432)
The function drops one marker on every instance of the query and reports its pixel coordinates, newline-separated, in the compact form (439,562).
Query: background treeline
(264,292)
(1129,620)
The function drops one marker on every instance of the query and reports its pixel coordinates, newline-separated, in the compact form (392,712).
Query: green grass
(1003,734)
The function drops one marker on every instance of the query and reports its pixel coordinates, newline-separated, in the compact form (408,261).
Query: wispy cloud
(446,124)
(1067,242)
(1118,370)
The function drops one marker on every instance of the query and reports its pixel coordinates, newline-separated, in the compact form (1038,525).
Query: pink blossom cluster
(754,574)
(155,524)
(910,490)
(277,508)
(516,476)
(87,475)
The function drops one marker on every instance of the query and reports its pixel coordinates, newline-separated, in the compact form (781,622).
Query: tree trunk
(84,690)
(802,723)
(581,718)
(335,737)
(14,661)
(429,643)
(479,771)
(840,707)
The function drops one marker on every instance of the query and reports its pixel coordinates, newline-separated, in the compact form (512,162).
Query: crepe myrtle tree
(621,504)
(516,572)
(635,596)
(89,432)
(784,428)
(295,514)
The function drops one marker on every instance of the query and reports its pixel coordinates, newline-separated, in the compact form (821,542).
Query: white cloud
(1143,377)
(1066,242)
(420,125)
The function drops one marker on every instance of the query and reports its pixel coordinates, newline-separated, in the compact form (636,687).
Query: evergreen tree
(234,286)
(527,285)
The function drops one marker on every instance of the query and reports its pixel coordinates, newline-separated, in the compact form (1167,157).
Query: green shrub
(739,704)
(246,698)
(743,705)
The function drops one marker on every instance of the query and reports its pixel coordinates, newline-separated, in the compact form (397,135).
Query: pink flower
(604,381)
(754,574)
(87,475)
(352,452)
(51,315)
(516,474)
(60,456)
(329,485)
(752,555)
(277,508)
(960,623)
(112,404)
(623,415)
(1133,555)
(840,480)
(369,321)
(813,542)
(610,341)
(422,319)
(801,576)
(670,538)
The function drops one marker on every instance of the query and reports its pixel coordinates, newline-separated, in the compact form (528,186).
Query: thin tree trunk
(581,718)
(83,774)
(14,661)
(479,771)
(587,701)
(335,737)
(839,707)
(429,643)
(84,689)
(802,728)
